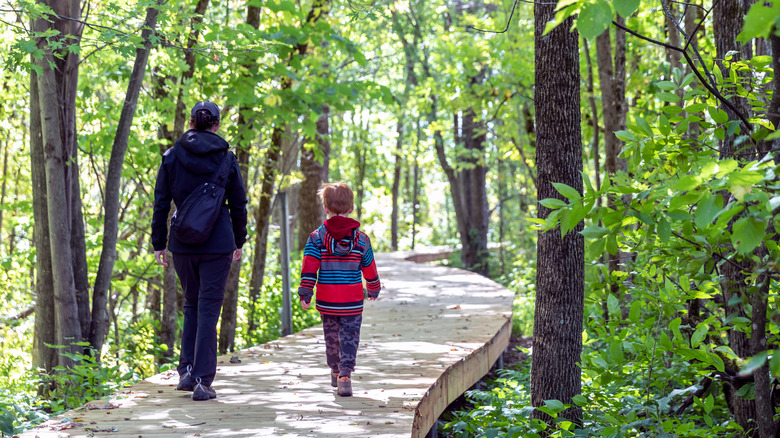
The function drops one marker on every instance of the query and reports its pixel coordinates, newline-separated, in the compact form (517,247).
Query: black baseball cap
(211,107)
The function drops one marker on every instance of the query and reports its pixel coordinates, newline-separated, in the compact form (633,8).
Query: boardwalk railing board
(434,332)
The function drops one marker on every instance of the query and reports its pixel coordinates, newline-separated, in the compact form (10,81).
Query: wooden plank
(434,332)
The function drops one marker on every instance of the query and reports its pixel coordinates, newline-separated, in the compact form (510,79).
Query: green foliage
(87,380)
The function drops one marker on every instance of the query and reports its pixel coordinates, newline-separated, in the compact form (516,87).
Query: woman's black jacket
(193,160)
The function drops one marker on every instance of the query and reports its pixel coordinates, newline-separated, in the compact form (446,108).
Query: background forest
(613,163)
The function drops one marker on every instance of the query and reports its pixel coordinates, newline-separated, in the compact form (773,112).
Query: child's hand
(305,305)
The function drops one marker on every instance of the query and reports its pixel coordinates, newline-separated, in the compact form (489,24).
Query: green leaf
(552,203)
(625,136)
(636,309)
(594,18)
(718,115)
(674,326)
(688,182)
(753,364)
(774,364)
(625,7)
(759,21)
(745,178)
(699,334)
(594,231)
(567,191)
(668,97)
(555,405)
(616,352)
(613,305)
(579,400)
(664,230)
(747,234)
(708,209)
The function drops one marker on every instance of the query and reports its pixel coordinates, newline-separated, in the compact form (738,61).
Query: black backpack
(194,219)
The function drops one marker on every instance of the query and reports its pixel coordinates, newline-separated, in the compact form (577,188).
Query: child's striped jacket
(337,268)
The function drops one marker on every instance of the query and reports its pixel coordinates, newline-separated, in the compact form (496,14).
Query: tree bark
(612,77)
(50,89)
(229,319)
(396,184)
(315,172)
(558,318)
(44,332)
(100,321)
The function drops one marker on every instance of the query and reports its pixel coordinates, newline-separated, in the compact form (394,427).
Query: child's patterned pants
(342,336)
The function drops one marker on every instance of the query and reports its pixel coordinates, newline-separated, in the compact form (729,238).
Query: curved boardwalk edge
(456,379)
(433,333)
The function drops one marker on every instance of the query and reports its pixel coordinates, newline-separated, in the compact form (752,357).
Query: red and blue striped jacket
(337,268)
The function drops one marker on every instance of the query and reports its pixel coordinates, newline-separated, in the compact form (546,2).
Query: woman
(197,158)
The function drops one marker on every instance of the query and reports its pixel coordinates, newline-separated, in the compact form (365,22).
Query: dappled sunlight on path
(432,334)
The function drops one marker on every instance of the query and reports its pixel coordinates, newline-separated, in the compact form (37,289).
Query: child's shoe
(334,378)
(345,386)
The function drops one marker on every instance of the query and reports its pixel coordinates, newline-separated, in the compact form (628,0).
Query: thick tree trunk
(99,326)
(44,332)
(473,194)
(57,186)
(315,172)
(727,16)
(727,23)
(558,319)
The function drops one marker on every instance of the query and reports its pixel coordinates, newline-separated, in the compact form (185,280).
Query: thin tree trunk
(5,177)
(269,170)
(396,184)
(44,332)
(416,188)
(100,321)
(229,320)
(558,318)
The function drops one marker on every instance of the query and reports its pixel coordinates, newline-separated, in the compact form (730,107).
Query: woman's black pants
(203,278)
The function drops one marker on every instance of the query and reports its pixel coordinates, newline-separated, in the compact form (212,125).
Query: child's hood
(340,227)
(339,238)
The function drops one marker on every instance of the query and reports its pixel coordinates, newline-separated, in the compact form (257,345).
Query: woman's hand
(160,257)
(237,254)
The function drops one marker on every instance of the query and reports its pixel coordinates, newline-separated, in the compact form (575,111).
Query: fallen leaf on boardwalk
(388,422)
(235,359)
(63,426)
(453,349)
(108,405)
(454,307)
(110,429)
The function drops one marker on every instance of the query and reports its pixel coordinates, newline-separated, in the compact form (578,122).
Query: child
(336,256)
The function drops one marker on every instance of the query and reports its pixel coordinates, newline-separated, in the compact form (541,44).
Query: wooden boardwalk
(433,333)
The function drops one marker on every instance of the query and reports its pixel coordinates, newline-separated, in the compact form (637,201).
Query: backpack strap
(220,177)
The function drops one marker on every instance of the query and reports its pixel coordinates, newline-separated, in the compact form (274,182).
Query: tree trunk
(57,186)
(269,172)
(44,332)
(416,188)
(396,184)
(315,172)
(99,326)
(612,80)
(229,319)
(727,23)
(558,318)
